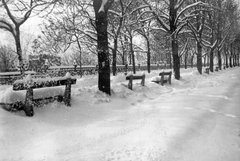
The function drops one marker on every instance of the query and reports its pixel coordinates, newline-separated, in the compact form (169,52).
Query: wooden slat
(135,77)
(165,73)
(24,86)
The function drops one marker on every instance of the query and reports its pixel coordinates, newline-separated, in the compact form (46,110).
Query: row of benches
(216,69)
(164,77)
(29,84)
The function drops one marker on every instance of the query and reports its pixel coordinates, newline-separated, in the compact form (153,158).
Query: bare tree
(68,27)
(117,17)
(11,21)
(172,19)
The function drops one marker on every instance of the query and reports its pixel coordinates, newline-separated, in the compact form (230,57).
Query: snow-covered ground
(194,119)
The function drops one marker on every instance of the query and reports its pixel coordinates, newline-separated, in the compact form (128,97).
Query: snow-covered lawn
(195,119)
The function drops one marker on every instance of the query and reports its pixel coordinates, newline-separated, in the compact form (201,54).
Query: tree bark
(211,60)
(219,34)
(230,57)
(132,55)
(226,61)
(114,61)
(176,59)
(18,48)
(173,27)
(148,56)
(199,57)
(102,45)
(219,60)
(185,60)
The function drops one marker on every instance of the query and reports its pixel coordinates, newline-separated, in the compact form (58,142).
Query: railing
(59,71)
(91,70)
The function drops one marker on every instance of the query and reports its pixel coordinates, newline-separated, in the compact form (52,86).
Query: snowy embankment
(195,118)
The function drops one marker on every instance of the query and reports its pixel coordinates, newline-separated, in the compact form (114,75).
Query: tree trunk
(204,63)
(185,60)
(114,61)
(19,49)
(124,57)
(176,59)
(211,60)
(226,61)
(173,27)
(230,61)
(148,56)
(219,60)
(230,57)
(199,57)
(132,55)
(102,45)
(219,34)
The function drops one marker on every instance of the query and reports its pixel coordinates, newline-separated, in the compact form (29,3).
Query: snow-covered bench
(132,77)
(164,78)
(29,84)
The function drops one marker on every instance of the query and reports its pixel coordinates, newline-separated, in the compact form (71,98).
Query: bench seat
(29,84)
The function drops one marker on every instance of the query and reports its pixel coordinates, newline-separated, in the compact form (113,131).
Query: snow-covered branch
(187,8)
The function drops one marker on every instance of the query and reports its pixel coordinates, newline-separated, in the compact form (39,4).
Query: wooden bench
(164,78)
(216,69)
(207,70)
(29,84)
(135,77)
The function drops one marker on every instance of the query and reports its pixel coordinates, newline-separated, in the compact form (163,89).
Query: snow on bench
(132,77)
(29,84)
(163,77)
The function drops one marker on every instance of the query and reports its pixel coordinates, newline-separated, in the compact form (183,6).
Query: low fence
(59,71)
(91,70)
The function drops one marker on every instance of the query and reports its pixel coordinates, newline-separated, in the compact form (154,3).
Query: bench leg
(130,82)
(162,79)
(28,107)
(143,80)
(67,95)
(169,78)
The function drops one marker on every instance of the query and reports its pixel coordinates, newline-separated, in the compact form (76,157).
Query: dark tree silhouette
(101,9)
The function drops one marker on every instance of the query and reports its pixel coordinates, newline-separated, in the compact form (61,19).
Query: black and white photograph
(119,80)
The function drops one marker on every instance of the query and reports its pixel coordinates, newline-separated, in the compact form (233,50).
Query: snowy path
(212,131)
(197,121)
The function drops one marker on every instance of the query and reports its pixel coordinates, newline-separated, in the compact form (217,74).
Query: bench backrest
(135,77)
(165,73)
(41,84)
